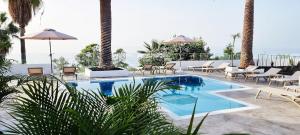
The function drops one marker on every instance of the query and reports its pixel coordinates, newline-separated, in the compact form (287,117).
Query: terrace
(179,86)
(274,115)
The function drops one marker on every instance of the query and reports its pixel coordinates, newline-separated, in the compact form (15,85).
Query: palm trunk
(105,48)
(22,41)
(247,43)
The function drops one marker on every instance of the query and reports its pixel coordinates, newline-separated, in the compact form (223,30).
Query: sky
(137,21)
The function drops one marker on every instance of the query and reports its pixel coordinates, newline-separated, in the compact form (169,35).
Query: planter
(107,74)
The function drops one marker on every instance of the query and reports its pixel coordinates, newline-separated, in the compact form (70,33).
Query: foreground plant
(45,108)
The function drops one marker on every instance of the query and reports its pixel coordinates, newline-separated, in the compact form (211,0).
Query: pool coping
(248,106)
(174,116)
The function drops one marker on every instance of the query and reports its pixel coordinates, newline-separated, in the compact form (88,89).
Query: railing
(197,56)
(277,60)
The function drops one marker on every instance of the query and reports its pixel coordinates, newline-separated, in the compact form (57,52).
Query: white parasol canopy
(178,40)
(49,34)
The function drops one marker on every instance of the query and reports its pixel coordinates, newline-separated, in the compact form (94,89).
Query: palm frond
(53,107)
(190,127)
(36,5)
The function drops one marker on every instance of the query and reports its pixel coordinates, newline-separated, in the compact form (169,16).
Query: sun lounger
(147,67)
(251,69)
(207,64)
(272,72)
(221,67)
(170,67)
(69,71)
(288,79)
(291,96)
(35,71)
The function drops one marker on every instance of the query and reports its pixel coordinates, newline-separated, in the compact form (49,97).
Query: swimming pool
(180,103)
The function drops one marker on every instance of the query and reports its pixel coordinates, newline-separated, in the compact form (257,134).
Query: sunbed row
(250,72)
(288,91)
(66,71)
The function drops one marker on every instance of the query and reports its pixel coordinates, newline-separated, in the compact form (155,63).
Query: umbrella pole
(50,56)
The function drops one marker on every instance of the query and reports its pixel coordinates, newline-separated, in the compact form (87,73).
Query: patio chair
(287,79)
(68,71)
(221,67)
(251,69)
(147,67)
(207,64)
(291,96)
(170,67)
(272,72)
(35,71)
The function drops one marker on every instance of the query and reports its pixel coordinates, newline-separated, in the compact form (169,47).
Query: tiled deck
(274,116)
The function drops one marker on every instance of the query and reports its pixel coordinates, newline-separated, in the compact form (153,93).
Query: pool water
(177,102)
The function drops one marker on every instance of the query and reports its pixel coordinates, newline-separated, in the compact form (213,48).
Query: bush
(89,56)
(153,60)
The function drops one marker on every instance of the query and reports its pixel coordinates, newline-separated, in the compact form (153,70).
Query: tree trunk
(247,43)
(22,41)
(105,46)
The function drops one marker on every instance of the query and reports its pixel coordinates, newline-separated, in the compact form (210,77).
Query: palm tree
(7,30)
(246,53)
(153,52)
(230,48)
(235,36)
(154,47)
(105,49)
(21,13)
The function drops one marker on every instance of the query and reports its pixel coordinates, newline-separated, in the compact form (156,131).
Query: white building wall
(21,69)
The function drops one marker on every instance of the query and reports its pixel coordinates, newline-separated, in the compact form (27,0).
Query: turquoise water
(178,102)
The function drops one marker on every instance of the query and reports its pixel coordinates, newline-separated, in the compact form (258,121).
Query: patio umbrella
(49,34)
(179,41)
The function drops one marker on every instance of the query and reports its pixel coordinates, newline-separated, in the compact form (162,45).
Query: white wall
(21,69)
(185,64)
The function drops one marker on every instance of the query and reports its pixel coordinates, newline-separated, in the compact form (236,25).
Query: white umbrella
(179,40)
(49,34)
